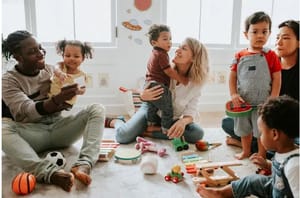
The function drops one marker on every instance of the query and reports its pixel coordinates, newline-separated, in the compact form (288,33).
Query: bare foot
(82,173)
(233,142)
(63,179)
(209,192)
(242,155)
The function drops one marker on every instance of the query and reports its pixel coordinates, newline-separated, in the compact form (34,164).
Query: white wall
(125,65)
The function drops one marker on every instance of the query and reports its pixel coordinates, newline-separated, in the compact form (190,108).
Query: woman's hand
(177,129)
(153,93)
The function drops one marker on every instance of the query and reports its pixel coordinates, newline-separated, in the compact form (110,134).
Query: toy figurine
(175,175)
(145,145)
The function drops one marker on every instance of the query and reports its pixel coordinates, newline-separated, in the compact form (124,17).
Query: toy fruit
(243,110)
(23,183)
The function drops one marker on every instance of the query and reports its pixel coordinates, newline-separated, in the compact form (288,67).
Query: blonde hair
(199,69)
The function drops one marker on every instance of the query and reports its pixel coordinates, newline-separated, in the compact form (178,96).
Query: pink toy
(145,145)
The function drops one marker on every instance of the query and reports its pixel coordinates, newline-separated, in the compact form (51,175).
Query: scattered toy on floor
(175,175)
(107,150)
(145,145)
(207,177)
(149,165)
(264,171)
(202,145)
(127,155)
(23,183)
(180,144)
(56,157)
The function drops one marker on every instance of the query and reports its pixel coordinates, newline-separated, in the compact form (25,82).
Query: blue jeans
(164,104)
(22,142)
(258,185)
(137,125)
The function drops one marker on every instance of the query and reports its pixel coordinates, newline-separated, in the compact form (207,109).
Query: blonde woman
(191,60)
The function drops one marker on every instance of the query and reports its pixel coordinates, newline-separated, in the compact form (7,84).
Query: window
(279,11)
(221,23)
(52,20)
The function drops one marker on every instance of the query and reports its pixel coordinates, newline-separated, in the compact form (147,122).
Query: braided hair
(11,44)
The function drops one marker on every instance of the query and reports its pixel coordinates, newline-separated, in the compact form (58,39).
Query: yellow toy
(175,175)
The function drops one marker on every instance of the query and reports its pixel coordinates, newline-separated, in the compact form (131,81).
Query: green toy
(180,144)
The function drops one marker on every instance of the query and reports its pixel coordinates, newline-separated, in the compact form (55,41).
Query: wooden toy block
(206,170)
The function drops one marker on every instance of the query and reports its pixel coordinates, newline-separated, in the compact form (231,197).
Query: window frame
(235,29)
(30,24)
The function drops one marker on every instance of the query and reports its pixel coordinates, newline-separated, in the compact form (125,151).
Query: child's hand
(259,161)
(61,76)
(81,90)
(237,100)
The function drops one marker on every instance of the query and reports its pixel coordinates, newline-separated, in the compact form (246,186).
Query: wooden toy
(175,175)
(243,110)
(180,144)
(107,150)
(23,183)
(127,154)
(214,181)
(145,145)
(202,145)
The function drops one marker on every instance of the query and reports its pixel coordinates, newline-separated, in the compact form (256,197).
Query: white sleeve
(291,171)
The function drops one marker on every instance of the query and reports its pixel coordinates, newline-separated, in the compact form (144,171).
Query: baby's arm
(235,97)
(60,74)
(276,84)
(172,73)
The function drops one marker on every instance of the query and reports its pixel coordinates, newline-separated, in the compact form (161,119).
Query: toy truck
(180,144)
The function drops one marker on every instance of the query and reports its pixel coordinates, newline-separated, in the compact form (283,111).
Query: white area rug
(114,180)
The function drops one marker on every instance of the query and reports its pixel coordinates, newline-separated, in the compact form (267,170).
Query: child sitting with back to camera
(278,123)
(255,75)
(159,72)
(68,72)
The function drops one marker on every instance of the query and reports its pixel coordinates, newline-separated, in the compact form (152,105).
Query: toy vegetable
(202,145)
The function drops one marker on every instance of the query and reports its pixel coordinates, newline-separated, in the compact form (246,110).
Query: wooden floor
(211,119)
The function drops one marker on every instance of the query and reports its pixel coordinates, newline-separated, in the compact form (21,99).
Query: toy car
(180,144)
(175,175)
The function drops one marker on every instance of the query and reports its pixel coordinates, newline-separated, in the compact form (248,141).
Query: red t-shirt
(158,62)
(272,60)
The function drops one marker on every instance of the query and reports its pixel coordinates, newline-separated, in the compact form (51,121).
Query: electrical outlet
(221,77)
(103,79)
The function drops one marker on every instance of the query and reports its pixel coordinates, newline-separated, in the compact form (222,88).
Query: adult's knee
(96,110)
(228,125)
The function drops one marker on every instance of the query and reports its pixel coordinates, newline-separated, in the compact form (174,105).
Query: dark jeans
(164,104)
